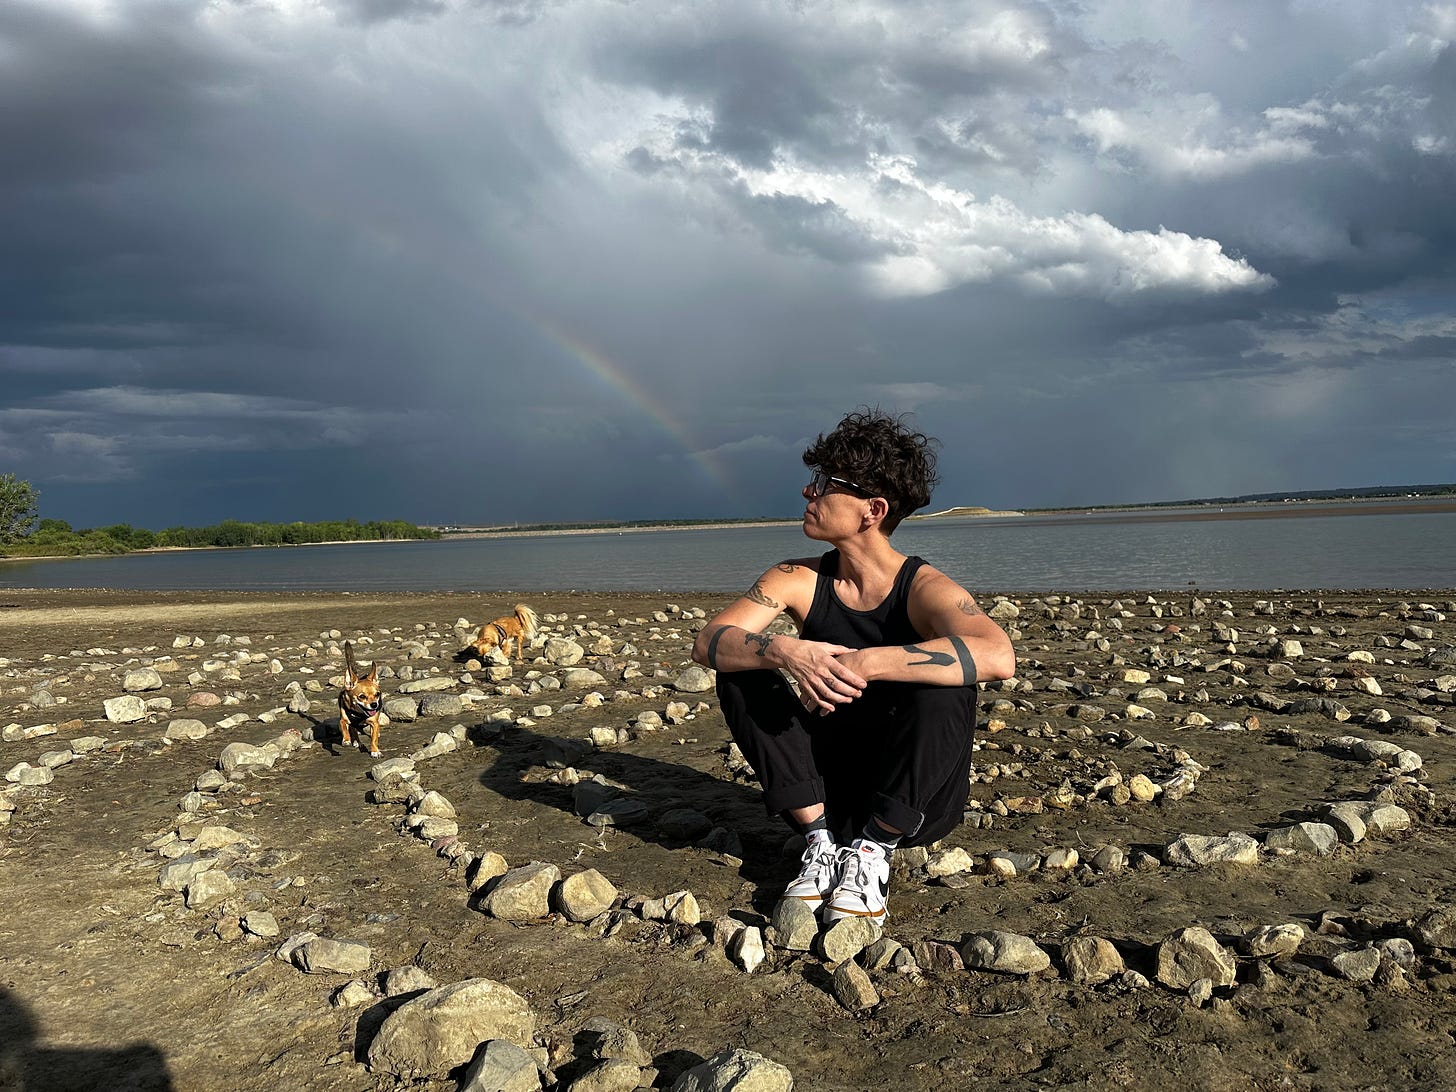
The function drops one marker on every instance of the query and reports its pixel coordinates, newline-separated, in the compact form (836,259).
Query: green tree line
(56,537)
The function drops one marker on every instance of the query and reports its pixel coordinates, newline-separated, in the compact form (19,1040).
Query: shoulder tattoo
(968,607)
(786,567)
(755,595)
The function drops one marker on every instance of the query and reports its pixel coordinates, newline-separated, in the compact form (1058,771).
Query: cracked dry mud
(108,981)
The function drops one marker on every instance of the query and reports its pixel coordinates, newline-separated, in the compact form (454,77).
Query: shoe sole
(835,913)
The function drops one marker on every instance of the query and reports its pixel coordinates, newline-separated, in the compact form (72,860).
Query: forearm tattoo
(968,662)
(945,659)
(755,595)
(933,659)
(762,640)
(712,656)
(968,607)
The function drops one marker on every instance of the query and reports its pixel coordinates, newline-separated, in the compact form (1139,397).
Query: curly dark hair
(882,453)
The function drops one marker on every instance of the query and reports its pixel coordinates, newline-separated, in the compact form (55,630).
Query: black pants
(900,752)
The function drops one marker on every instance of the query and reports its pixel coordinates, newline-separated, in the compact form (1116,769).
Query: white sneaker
(864,883)
(818,873)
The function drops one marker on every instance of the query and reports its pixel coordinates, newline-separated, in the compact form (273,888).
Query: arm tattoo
(934,659)
(965,606)
(785,567)
(712,656)
(762,640)
(755,595)
(968,662)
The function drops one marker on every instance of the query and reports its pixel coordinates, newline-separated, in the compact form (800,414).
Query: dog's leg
(343,723)
(374,735)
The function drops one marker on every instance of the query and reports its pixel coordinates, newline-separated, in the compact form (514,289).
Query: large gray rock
(431,1034)
(125,710)
(1317,838)
(1091,961)
(584,895)
(694,680)
(795,925)
(579,678)
(1202,850)
(328,956)
(1273,940)
(141,680)
(186,729)
(562,652)
(244,756)
(1009,953)
(736,1070)
(499,1066)
(441,705)
(524,893)
(1191,954)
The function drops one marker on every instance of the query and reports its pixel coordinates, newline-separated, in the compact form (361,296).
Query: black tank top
(887,624)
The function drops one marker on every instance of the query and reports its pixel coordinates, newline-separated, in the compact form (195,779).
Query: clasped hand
(824,673)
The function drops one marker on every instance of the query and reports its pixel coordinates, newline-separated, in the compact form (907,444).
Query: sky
(487,261)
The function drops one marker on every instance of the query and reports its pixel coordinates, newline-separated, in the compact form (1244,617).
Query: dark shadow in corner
(660,787)
(25,1067)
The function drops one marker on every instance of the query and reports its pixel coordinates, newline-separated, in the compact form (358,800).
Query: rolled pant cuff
(800,794)
(898,814)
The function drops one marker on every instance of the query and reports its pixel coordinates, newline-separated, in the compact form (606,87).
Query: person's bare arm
(963,644)
(735,640)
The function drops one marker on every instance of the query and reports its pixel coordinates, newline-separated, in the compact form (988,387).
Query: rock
(177,873)
(1108,859)
(936,957)
(1345,818)
(208,889)
(847,937)
(582,678)
(1010,953)
(244,756)
(694,680)
(431,1034)
(328,956)
(1191,954)
(523,893)
(1277,941)
(736,1070)
(609,1075)
(624,811)
(1317,838)
(1437,928)
(1357,966)
(23,773)
(880,954)
(441,705)
(746,949)
(684,824)
(1384,818)
(795,926)
(949,862)
(487,867)
(260,923)
(585,895)
(501,1066)
(392,767)
(186,729)
(141,680)
(1141,788)
(216,837)
(403,710)
(853,988)
(1091,961)
(125,710)
(351,995)
(1202,850)
(407,979)
(561,652)
(435,805)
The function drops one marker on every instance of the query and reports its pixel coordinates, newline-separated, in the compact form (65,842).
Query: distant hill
(1367,492)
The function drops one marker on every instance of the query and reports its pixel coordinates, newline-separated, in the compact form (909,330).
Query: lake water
(1317,549)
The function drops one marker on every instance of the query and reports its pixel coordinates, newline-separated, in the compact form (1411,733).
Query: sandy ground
(109,981)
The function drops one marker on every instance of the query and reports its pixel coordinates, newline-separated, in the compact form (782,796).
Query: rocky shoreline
(1201,811)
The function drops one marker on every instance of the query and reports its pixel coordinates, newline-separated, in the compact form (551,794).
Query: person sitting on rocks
(874,749)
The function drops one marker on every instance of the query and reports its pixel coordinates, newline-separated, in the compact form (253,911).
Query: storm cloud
(461,261)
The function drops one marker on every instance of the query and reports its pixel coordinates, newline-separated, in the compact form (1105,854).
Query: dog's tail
(527,617)
(350,667)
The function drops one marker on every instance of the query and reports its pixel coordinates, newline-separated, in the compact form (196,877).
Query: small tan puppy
(518,627)
(359,701)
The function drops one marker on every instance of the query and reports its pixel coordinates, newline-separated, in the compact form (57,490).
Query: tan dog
(517,627)
(359,701)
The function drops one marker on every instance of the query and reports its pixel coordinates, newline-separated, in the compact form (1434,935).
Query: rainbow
(600,365)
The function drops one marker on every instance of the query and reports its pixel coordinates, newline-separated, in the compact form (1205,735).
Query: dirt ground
(109,981)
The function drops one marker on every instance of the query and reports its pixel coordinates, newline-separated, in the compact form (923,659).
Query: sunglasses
(821,481)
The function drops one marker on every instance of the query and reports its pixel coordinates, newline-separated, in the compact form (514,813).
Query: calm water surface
(1373,549)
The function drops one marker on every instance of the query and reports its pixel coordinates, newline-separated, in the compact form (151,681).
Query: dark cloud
(466,260)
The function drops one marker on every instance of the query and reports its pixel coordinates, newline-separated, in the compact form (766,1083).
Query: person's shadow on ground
(660,788)
(26,1067)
